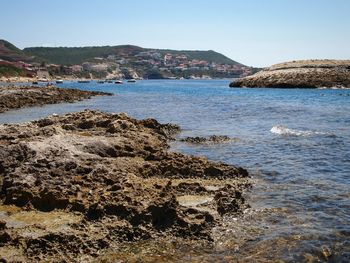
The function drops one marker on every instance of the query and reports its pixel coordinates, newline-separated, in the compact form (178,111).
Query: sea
(295,143)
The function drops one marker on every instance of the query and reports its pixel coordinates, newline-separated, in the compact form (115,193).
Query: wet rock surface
(76,186)
(300,74)
(213,139)
(15,97)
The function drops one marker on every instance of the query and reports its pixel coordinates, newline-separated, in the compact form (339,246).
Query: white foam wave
(284,130)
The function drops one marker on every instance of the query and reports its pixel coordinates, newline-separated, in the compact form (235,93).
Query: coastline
(103,180)
(272,188)
(310,74)
(15,97)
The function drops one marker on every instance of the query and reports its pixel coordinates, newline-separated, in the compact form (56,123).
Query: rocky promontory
(300,74)
(78,186)
(15,96)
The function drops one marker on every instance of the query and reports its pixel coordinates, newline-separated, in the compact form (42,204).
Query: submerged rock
(300,74)
(93,180)
(214,139)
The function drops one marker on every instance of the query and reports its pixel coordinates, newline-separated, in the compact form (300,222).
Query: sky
(253,32)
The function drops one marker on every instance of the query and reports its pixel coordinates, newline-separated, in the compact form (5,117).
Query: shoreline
(16,97)
(15,80)
(108,179)
(308,74)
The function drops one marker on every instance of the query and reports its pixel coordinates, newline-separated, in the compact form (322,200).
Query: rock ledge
(82,184)
(300,74)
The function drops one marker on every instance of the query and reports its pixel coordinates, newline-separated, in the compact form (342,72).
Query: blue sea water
(294,142)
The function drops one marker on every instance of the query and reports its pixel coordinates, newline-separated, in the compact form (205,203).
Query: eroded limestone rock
(91,181)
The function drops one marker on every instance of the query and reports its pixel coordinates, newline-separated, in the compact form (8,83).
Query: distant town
(127,62)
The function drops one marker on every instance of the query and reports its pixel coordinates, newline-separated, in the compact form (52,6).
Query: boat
(59,81)
(118,82)
(35,83)
(100,81)
(83,81)
(109,81)
(132,80)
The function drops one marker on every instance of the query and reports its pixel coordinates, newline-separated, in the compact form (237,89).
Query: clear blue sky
(253,32)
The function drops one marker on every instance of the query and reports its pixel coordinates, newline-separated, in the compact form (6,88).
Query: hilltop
(78,55)
(10,52)
(300,74)
(115,62)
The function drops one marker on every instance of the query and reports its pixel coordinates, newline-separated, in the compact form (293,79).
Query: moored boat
(132,80)
(118,82)
(83,81)
(59,81)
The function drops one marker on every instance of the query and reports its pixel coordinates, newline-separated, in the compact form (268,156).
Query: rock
(81,186)
(300,74)
(326,252)
(2,224)
(4,238)
(14,97)
(207,140)
(44,122)
(86,125)
(230,201)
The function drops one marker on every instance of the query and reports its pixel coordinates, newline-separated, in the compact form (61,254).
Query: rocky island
(300,74)
(76,186)
(15,97)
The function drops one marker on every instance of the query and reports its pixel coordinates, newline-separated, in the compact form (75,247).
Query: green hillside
(125,60)
(210,55)
(10,52)
(9,71)
(10,46)
(78,55)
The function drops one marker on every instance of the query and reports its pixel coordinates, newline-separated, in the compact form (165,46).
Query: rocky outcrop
(15,97)
(73,187)
(300,74)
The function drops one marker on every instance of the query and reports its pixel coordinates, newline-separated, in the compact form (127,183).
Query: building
(167,58)
(76,68)
(43,74)
(99,67)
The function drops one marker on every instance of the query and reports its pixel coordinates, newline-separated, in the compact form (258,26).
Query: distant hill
(209,55)
(124,61)
(78,55)
(9,52)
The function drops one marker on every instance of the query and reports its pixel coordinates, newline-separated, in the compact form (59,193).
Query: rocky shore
(77,187)
(15,97)
(300,74)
